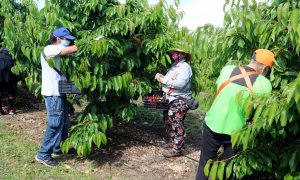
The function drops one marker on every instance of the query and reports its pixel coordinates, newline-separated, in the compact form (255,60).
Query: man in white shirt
(56,104)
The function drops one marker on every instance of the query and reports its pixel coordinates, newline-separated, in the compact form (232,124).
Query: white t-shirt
(50,77)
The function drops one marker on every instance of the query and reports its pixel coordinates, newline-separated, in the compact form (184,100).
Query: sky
(196,12)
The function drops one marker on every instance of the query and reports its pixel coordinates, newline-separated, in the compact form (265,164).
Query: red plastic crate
(155,100)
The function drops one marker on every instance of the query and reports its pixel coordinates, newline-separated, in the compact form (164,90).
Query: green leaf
(245,138)
(229,169)
(258,112)
(213,171)
(97,139)
(26,51)
(94,83)
(227,18)
(290,92)
(249,107)
(298,107)
(109,121)
(285,10)
(293,161)
(221,170)
(100,84)
(90,116)
(272,112)
(103,124)
(252,160)
(297,93)
(241,43)
(80,117)
(103,138)
(120,82)
(168,59)
(65,146)
(235,137)
(163,61)
(288,177)
(279,12)
(80,150)
(207,167)
(284,160)
(294,19)
(283,118)
(35,56)
(115,83)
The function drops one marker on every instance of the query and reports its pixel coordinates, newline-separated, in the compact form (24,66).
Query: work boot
(11,112)
(166,145)
(170,153)
(48,163)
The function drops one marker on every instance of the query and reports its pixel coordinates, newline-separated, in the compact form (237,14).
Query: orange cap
(264,57)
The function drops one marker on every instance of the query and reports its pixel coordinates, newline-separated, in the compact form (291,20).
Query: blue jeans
(57,126)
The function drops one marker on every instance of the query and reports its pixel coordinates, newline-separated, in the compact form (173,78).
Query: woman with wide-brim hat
(176,84)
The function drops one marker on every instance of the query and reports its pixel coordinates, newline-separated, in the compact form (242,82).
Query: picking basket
(155,100)
(67,87)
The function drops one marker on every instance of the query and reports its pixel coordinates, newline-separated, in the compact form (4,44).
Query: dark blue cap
(63,32)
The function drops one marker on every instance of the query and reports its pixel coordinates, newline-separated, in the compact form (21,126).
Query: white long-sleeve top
(178,78)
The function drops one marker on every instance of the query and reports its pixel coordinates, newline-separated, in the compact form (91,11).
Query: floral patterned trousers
(174,121)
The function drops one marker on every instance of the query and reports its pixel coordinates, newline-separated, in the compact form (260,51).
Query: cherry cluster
(153,99)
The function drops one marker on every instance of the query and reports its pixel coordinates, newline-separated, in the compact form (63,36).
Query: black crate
(155,100)
(66,87)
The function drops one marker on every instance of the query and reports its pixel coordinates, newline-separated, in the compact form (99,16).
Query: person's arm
(183,76)
(68,50)
(54,50)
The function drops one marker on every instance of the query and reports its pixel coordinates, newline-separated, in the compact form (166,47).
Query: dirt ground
(133,150)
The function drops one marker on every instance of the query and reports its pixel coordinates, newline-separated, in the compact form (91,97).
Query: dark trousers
(9,89)
(211,142)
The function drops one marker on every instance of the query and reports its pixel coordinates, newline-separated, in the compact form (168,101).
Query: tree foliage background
(270,142)
(114,70)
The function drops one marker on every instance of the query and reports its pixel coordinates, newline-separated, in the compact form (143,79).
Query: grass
(17,160)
